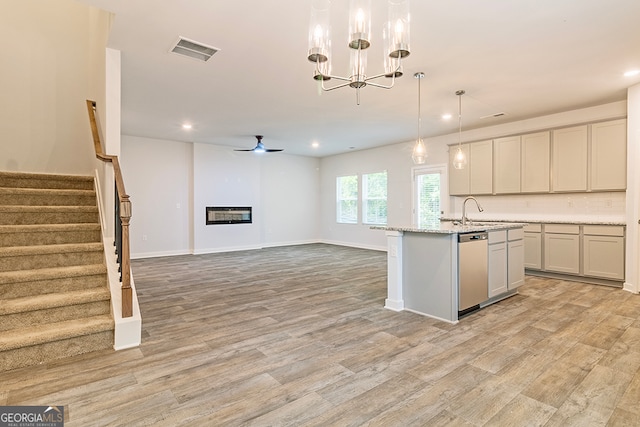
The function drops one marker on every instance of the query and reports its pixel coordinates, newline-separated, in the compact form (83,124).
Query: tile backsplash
(606,206)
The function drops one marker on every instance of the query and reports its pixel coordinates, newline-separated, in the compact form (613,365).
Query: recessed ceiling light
(315,144)
(446,116)
(186,126)
(632,73)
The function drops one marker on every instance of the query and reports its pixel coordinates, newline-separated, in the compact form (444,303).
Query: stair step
(44,343)
(48,234)
(21,283)
(23,215)
(54,307)
(46,256)
(55,331)
(38,180)
(46,197)
(41,302)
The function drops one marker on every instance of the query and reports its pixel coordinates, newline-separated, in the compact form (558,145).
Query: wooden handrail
(124,254)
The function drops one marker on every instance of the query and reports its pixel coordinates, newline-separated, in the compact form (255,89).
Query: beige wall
(53,60)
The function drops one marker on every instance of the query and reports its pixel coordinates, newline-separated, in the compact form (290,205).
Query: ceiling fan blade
(245,150)
(273,150)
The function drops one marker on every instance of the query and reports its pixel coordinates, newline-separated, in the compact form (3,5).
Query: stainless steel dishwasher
(473,277)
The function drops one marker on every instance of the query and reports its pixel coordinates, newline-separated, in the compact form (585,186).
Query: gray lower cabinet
(596,251)
(603,252)
(515,258)
(562,248)
(533,246)
(506,261)
(497,263)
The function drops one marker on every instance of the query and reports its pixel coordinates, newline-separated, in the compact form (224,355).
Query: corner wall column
(394,299)
(632,261)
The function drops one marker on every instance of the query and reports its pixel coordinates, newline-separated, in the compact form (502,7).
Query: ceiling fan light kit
(395,35)
(259,148)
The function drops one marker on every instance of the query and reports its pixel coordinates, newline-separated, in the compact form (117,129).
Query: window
(374,198)
(429,195)
(347,199)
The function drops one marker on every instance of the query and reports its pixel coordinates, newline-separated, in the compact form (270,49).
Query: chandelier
(395,35)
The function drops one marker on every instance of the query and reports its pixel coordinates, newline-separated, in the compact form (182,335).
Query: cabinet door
(506,165)
(497,269)
(570,159)
(533,250)
(608,156)
(481,167)
(535,162)
(458,178)
(562,253)
(515,258)
(604,257)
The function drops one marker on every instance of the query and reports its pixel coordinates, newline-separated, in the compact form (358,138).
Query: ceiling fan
(259,148)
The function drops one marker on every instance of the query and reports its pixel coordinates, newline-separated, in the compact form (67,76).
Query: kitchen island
(423,266)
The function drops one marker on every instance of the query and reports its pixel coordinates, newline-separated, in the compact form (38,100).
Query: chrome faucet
(465,220)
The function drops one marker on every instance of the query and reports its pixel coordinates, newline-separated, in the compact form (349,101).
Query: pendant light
(459,160)
(419,154)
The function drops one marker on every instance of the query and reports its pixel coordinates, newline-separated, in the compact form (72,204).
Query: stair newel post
(125,265)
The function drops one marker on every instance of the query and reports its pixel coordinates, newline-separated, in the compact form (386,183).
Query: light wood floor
(299,336)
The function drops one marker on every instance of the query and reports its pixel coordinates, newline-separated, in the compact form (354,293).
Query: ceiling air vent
(193,49)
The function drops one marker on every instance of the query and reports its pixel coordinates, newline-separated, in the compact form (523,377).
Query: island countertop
(450,227)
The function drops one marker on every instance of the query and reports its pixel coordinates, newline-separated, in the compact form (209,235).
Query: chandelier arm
(379,85)
(327,89)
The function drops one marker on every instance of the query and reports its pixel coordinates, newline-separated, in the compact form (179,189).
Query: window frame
(340,218)
(365,197)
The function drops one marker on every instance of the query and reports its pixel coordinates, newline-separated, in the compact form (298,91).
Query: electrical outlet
(144,237)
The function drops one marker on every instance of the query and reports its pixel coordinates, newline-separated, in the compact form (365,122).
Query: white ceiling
(525,58)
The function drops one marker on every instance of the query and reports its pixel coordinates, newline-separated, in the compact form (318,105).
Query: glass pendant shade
(319,32)
(399,28)
(459,160)
(419,154)
(359,24)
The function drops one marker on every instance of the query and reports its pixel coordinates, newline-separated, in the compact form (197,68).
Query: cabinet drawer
(562,229)
(603,230)
(515,234)
(497,236)
(533,228)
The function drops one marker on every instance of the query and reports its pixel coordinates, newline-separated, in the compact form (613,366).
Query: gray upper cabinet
(481,167)
(589,157)
(569,162)
(608,154)
(535,162)
(506,165)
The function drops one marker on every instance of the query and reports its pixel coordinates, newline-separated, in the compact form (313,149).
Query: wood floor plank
(299,336)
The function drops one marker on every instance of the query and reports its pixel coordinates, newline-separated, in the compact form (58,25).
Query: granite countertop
(451,227)
(556,220)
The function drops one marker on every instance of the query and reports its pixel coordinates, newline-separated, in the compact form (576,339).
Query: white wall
(161,175)
(56,52)
(157,175)
(396,159)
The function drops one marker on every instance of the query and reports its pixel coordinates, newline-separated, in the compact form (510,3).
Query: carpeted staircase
(54,295)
